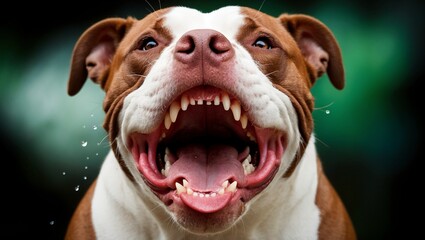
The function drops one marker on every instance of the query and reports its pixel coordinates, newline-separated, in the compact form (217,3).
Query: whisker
(259,9)
(326,106)
(152,8)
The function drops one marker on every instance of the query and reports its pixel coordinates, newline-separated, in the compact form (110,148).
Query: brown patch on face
(283,63)
(131,64)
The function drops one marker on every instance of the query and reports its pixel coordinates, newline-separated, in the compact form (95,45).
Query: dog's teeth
(185,183)
(167,166)
(213,194)
(226,101)
(192,101)
(208,103)
(180,189)
(189,191)
(221,191)
(195,194)
(225,184)
(236,110)
(244,121)
(217,100)
(184,102)
(200,102)
(174,111)
(251,137)
(167,121)
(248,168)
(201,195)
(232,187)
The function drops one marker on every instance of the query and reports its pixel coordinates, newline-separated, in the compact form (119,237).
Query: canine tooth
(221,191)
(185,183)
(200,102)
(225,184)
(184,102)
(217,100)
(236,110)
(167,121)
(232,187)
(244,121)
(174,111)
(192,101)
(226,101)
(189,191)
(180,188)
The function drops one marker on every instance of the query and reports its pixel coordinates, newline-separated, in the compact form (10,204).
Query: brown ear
(318,45)
(94,50)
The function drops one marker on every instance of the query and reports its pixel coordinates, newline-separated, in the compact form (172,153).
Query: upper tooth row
(225,187)
(185,100)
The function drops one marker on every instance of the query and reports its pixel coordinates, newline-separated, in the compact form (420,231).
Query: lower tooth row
(226,187)
(248,168)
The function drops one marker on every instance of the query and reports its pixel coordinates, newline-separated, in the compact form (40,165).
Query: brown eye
(263,42)
(148,43)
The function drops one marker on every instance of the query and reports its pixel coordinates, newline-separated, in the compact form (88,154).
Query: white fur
(129,210)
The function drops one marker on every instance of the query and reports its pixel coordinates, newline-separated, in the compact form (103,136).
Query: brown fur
(80,226)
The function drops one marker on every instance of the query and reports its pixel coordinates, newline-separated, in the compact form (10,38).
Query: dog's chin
(207,223)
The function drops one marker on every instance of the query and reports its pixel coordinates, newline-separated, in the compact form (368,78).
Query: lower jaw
(207,223)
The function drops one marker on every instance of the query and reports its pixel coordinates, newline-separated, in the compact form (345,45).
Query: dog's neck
(297,216)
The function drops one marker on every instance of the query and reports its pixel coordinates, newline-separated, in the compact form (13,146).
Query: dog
(209,118)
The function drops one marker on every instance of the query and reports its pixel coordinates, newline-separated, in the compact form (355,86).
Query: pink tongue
(206,168)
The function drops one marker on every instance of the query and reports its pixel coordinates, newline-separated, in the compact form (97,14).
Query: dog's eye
(148,43)
(263,42)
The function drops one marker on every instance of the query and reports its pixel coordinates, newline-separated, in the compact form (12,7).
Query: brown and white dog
(209,117)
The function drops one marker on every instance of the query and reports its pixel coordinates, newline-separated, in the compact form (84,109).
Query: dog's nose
(203,45)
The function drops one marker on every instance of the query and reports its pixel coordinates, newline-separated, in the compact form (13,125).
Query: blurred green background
(369,134)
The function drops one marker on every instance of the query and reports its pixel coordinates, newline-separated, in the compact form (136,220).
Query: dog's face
(206,112)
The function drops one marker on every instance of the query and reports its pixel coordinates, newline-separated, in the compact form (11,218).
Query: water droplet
(84,143)
(94,127)
(85,177)
(91,115)
(63,173)
(77,188)
(52,222)
(327,111)
(86,167)
(97,154)
(87,158)
(98,144)
(84,126)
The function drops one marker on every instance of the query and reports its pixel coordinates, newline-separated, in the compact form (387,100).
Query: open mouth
(207,154)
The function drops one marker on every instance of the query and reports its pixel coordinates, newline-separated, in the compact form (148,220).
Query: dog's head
(206,111)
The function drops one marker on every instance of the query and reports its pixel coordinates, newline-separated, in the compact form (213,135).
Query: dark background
(369,134)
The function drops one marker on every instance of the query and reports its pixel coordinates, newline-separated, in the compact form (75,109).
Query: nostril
(185,45)
(219,44)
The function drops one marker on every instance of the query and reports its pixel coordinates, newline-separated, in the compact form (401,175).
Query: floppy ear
(318,45)
(94,50)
